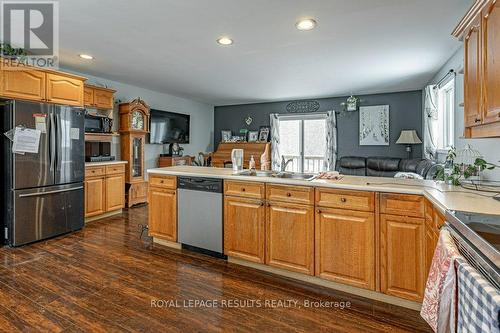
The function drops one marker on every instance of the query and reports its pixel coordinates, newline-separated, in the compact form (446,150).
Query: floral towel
(439,305)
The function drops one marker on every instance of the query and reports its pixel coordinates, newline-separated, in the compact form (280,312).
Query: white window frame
(446,116)
(301,118)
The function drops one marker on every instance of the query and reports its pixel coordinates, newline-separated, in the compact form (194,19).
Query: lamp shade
(408,137)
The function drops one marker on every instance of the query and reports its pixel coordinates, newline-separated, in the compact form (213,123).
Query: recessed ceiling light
(225,41)
(86,56)
(306,24)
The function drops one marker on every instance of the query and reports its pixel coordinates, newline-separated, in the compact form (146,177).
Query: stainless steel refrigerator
(43,193)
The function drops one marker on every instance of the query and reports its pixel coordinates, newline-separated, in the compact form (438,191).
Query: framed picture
(226,135)
(253,136)
(264,133)
(374,125)
(243,133)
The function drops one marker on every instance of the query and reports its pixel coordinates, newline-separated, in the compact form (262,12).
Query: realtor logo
(30,32)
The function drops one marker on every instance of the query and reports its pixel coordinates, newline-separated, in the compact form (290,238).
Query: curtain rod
(450,72)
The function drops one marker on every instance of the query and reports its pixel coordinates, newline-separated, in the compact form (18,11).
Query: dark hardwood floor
(105,279)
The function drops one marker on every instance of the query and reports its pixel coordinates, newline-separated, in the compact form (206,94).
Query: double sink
(274,174)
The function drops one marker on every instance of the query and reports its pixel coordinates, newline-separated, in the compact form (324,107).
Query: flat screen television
(168,127)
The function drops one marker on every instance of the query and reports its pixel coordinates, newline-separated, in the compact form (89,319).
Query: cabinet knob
(477,120)
(343,199)
(242,189)
(161,181)
(318,211)
(289,194)
(262,203)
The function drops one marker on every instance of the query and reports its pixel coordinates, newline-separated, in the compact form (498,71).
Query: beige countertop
(95,164)
(441,195)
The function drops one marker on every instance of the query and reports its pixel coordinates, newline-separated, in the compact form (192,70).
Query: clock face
(137,120)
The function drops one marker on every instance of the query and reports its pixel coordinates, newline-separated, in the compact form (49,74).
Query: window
(303,142)
(446,107)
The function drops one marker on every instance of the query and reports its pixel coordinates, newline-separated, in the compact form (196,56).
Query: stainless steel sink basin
(292,175)
(285,175)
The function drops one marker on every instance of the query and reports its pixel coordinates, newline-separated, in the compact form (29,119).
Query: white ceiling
(363,46)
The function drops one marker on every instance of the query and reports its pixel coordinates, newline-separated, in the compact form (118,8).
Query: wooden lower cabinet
(104,190)
(163,213)
(244,228)
(345,246)
(115,192)
(290,237)
(402,258)
(94,196)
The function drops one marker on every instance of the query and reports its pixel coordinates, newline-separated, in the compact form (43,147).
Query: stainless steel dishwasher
(199,209)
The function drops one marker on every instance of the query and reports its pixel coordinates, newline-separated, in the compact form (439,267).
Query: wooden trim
(100,88)
(99,137)
(469,17)
(377,242)
(107,214)
(484,131)
(163,242)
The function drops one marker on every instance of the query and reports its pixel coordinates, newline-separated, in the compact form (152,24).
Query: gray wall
(405,113)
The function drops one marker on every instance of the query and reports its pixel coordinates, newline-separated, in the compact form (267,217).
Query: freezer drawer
(47,212)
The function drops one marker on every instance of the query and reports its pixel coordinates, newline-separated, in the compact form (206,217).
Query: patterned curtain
(430,122)
(275,142)
(331,141)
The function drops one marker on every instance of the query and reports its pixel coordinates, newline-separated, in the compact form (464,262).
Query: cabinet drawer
(292,194)
(244,189)
(353,200)
(163,181)
(95,171)
(114,169)
(402,204)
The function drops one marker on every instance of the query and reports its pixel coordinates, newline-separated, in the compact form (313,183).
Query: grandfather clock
(134,125)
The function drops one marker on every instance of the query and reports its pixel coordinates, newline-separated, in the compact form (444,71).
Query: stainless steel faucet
(284,163)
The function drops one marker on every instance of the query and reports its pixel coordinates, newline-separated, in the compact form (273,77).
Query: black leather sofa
(385,166)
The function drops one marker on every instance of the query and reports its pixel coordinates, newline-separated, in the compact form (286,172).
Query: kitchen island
(369,236)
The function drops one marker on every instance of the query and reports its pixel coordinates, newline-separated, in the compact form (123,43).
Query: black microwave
(98,124)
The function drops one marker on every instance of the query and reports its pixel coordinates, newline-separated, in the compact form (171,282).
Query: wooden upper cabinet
(88,96)
(163,213)
(23,84)
(103,99)
(491,47)
(472,79)
(402,257)
(345,247)
(244,228)
(290,237)
(62,89)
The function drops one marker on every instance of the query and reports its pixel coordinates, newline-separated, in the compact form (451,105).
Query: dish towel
(478,302)
(439,304)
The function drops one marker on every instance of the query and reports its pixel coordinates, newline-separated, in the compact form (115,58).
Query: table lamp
(408,138)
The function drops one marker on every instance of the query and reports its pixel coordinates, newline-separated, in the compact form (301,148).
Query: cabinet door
(491,55)
(244,222)
(115,192)
(290,237)
(472,78)
(430,246)
(402,257)
(23,84)
(64,90)
(103,99)
(95,196)
(345,247)
(163,213)
(88,97)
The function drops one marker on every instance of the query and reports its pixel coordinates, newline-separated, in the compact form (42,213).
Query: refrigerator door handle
(52,141)
(49,192)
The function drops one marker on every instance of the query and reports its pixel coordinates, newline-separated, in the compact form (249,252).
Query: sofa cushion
(352,165)
(409,165)
(424,167)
